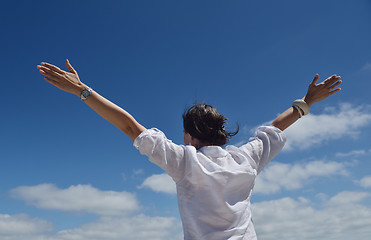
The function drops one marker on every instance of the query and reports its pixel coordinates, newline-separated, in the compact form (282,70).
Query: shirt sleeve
(265,145)
(162,152)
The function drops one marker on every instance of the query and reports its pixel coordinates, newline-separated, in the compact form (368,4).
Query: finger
(335,85)
(69,66)
(51,71)
(52,67)
(50,74)
(51,81)
(315,79)
(334,91)
(45,69)
(331,80)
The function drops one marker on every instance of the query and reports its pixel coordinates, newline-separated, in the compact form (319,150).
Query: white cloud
(160,183)
(79,198)
(292,219)
(278,176)
(22,226)
(365,182)
(347,198)
(334,123)
(134,228)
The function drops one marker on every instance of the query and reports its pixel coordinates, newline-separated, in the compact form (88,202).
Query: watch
(85,93)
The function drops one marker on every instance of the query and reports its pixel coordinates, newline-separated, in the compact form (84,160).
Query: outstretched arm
(70,82)
(316,93)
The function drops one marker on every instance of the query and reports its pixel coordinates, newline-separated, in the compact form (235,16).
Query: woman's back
(214,185)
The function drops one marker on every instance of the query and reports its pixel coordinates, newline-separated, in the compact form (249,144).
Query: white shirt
(214,185)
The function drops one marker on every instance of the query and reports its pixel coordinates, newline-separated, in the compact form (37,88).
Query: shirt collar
(213,151)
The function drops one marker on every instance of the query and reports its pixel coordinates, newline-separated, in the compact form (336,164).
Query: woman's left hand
(66,81)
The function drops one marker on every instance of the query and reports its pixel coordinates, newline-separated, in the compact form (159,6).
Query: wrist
(79,88)
(301,106)
(308,101)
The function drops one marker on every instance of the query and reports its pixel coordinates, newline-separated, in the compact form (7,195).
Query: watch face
(85,93)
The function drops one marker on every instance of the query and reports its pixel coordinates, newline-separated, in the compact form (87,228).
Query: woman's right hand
(321,91)
(66,81)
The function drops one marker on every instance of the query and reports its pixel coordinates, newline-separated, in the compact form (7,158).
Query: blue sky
(67,174)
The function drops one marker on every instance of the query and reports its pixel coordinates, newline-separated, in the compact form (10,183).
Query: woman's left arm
(70,82)
(315,93)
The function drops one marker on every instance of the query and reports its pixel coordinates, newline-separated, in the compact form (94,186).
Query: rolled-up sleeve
(266,144)
(162,152)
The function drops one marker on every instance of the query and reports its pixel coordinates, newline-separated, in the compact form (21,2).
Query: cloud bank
(340,217)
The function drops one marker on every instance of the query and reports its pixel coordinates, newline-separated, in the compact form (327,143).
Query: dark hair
(205,123)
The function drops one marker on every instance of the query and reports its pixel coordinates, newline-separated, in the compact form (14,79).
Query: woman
(214,184)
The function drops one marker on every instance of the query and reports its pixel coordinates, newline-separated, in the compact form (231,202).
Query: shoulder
(153,141)
(149,135)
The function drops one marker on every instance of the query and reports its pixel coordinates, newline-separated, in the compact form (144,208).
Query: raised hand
(318,92)
(66,81)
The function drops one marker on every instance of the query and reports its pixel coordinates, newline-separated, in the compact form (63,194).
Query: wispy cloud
(79,198)
(367,66)
(334,123)
(160,183)
(138,171)
(293,219)
(352,153)
(278,176)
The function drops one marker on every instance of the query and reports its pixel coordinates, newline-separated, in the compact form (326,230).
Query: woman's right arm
(70,82)
(316,93)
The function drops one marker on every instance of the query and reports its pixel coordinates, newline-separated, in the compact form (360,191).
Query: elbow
(278,125)
(275,123)
(132,131)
